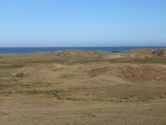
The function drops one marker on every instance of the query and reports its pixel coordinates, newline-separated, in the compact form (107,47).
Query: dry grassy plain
(83,88)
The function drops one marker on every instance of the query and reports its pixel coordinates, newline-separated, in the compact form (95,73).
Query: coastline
(27,50)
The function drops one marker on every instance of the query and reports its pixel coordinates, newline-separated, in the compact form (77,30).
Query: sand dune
(83,87)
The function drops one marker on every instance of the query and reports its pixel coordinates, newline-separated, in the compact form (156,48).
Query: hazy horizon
(86,23)
(81,46)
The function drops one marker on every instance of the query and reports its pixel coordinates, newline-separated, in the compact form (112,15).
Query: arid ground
(83,88)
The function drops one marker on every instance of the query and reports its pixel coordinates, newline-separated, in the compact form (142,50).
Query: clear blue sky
(82,23)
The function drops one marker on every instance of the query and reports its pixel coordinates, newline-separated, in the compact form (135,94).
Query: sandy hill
(160,52)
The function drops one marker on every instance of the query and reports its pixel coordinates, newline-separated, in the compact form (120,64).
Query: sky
(65,23)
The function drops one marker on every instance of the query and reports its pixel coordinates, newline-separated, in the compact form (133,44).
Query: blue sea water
(22,50)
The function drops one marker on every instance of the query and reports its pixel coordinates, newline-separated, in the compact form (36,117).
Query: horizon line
(70,46)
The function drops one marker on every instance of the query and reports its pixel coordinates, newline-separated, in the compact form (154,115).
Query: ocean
(24,50)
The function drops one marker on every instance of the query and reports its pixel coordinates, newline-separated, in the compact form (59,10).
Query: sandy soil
(68,88)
